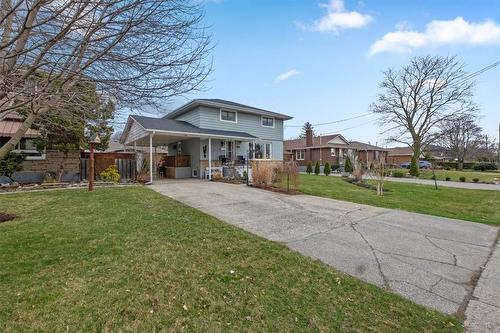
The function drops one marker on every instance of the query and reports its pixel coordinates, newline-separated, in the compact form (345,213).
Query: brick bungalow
(37,163)
(330,148)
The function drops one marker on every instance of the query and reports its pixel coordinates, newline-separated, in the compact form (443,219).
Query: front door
(230,150)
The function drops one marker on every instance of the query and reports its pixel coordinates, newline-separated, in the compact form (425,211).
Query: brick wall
(53,160)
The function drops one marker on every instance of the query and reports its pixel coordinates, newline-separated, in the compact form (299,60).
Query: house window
(332,151)
(299,155)
(228,116)
(27,148)
(262,151)
(267,121)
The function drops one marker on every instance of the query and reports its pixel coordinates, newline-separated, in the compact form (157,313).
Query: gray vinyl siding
(192,117)
(136,132)
(207,117)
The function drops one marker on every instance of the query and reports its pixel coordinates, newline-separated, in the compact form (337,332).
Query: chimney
(309,137)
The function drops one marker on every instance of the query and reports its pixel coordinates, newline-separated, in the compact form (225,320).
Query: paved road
(433,261)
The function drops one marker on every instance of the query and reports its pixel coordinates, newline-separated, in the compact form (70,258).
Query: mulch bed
(276,189)
(4,217)
(362,184)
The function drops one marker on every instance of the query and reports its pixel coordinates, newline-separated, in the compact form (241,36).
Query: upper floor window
(332,151)
(228,116)
(267,121)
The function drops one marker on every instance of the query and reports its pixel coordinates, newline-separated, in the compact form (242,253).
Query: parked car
(421,165)
(424,165)
(405,165)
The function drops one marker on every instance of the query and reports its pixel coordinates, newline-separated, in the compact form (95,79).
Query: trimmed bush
(454,165)
(448,179)
(348,165)
(110,174)
(398,174)
(462,179)
(475,180)
(309,169)
(327,170)
(485,166)
(317,168)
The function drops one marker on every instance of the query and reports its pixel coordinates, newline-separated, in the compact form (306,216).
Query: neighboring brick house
(400,155)
(38,163)
(330,148)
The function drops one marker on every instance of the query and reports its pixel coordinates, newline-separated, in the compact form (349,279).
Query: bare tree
(416,99)
(136,52)
(460,135)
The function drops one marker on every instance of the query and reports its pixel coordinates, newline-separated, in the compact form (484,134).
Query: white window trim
(263,144)
(332,152)
(30,158)
(262,118)
(229,121)
(297,155)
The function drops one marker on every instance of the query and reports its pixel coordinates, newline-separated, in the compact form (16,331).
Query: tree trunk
(14,140)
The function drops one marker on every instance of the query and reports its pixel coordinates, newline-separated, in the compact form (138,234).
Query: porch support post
(210,158)
(151,157)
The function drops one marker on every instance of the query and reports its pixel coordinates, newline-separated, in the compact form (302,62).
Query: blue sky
(322,61)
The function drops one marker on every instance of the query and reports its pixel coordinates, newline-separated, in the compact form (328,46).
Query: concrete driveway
(431,260)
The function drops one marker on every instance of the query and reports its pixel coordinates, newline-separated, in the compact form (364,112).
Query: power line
(348,128)
(335,121)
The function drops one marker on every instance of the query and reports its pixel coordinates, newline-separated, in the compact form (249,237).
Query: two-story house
(207,133)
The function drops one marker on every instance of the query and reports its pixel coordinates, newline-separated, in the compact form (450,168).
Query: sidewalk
(470,186)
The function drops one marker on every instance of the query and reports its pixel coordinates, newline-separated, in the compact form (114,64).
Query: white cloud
(338,18)
(457,31)
(286,75)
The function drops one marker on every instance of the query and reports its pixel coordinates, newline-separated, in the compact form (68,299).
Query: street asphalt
(445,264)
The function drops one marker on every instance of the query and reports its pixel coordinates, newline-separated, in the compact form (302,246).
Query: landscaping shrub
(309,169)
(10,164)
(462,179)
(454,165)
(485,166)
(327,170)
(110,174)
(398,174)
(262,173)
(317,168)
(348,165)
(414,167)
(433,177)
(290,175)
(448,179)
(475,180)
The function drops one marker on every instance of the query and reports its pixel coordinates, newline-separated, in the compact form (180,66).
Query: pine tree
(348,165)
(309,169)
(307,126)
(328,170)
(317,168)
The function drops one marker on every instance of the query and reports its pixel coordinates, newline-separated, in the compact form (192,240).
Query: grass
(483,176)
(466,204)
(129,259)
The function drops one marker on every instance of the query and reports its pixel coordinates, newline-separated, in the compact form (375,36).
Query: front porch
(192,152)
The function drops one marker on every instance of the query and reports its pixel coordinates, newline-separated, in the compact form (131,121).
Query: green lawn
(471,205)
(129,259)
(483,176)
